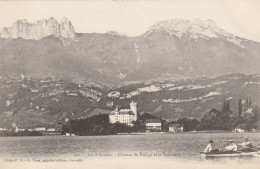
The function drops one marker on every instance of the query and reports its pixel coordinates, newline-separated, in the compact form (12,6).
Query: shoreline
(133,133)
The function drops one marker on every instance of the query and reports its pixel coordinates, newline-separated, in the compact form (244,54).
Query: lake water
(187,145)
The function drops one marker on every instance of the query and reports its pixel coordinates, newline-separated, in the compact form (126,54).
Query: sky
(133,18)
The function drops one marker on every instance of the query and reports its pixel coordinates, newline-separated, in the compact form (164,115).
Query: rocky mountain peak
(195,28)
(39,29)
(183,26)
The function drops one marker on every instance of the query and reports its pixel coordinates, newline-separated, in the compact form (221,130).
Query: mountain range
(169,49)
(177,68)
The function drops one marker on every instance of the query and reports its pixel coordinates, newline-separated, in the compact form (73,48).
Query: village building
(3,129)
(18,129)
(241,128)
(153,125)
(176,128)
(51,129)
(125,116)
(40,129)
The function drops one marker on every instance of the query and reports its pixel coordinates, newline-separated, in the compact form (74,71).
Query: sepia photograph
(130,84)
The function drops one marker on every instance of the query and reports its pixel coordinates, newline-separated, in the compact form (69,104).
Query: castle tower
(133,108)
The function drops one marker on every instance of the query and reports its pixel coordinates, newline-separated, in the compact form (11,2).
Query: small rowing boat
(230,154)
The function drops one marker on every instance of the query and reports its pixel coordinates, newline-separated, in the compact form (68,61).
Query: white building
(18,129)
(3,129)
(126,116)
(241,128)
(153,125)
(238,130)
(40,129)
(176,128)
(51,129)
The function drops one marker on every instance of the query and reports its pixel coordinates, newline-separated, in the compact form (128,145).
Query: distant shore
(37,133)
(20,133)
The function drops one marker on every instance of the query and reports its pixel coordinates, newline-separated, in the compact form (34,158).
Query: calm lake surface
(184,146)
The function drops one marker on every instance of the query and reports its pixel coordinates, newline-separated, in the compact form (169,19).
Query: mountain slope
(173,99)
(49,102)
(44,102)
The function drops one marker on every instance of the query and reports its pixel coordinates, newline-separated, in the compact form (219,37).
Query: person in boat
(231,147)
(246,143)
(246,146)
(209,148)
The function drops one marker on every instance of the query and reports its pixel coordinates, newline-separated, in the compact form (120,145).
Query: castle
(126,116)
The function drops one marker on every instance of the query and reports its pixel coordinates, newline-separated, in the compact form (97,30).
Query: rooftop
(123,112)
(153,121)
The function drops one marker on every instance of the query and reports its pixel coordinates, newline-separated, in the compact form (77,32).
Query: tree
(226,107)
(239,107)
(217,120)
(249,101)
(189,124)
(209,120)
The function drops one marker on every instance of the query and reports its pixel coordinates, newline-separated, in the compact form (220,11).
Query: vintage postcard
(130,84)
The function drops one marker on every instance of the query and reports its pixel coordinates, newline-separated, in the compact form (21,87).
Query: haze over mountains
(170,48)
(177,68)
